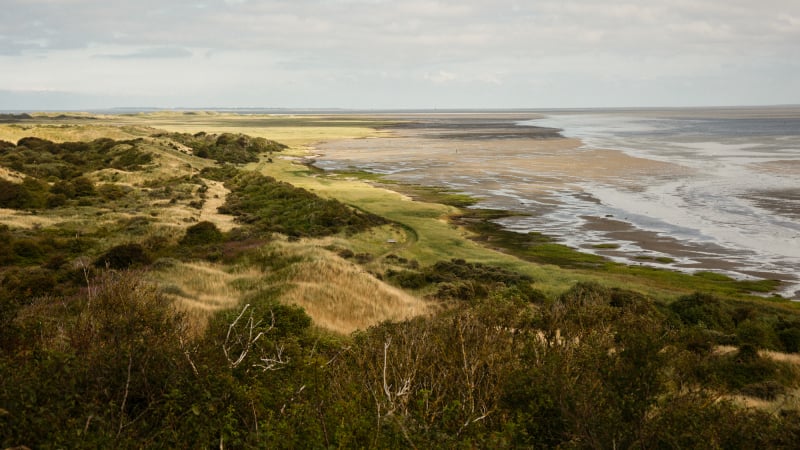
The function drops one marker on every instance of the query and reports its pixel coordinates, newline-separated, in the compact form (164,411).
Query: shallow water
(743,192)
(710,189)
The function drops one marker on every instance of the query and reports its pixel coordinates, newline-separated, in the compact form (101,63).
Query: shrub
(30,194)
(790,338)
(758,333)
(41,158)
(703,309)
(273,206)
(56,200)
(226,147)
(202,233)
(83,187)
(27,249)
(123,257)
(111,191)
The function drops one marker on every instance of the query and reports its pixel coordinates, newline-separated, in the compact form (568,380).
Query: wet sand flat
(540,173)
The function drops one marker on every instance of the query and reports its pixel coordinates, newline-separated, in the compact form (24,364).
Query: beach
(691,204)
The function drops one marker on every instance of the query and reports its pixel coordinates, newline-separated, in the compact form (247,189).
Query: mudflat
(537,172)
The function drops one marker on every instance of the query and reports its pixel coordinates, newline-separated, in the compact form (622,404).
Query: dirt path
(215,197)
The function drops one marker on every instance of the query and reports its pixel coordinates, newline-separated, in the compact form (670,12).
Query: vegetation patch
(274,206)
(43,159)
(430,194)
(658,259)
(460,280)
(606,246)
(225,147)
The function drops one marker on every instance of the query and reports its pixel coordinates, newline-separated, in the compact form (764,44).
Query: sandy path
(215,197)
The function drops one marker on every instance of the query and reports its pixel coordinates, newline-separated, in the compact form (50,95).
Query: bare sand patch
(11,175)
(215,197)
(786,167)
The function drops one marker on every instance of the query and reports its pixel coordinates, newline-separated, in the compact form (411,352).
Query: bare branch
(125,397)
(385,357)
(188,355)
(275,362)
(243,338)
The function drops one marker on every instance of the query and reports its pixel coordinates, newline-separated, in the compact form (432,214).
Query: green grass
(660,259)
(605,246)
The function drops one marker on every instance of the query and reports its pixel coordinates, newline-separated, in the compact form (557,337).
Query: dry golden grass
(787,401)
(341,296)
(200,289)
(118,177)
(68,132)
(791,358)
(22,219)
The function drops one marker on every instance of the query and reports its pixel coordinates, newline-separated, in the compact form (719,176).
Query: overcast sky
(79,54)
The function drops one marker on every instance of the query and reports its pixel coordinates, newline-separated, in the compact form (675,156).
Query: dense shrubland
(55,172)
(114,366)
(40,158)
(269,205)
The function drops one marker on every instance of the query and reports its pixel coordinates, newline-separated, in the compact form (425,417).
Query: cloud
(346,45)
(149,53)
(440,76)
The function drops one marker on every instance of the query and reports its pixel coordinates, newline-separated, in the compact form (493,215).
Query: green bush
(202,233)
(30,194)
(462,280)
(111,191)
(27,249)
(758,333)
(790,338)
(703,309)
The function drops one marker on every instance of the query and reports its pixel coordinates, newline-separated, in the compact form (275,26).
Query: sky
(387,54)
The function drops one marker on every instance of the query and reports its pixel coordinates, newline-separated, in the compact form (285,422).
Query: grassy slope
(338,294)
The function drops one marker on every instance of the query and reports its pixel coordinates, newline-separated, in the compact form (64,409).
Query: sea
(741,196)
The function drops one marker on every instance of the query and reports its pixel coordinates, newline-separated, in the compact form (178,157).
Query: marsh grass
(606,246)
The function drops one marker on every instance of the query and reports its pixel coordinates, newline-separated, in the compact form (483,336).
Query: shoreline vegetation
(191,279)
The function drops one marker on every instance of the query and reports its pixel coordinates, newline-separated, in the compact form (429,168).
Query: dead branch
(244,339)
(275,362)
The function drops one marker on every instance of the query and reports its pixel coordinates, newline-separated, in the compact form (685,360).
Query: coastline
(540,175)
